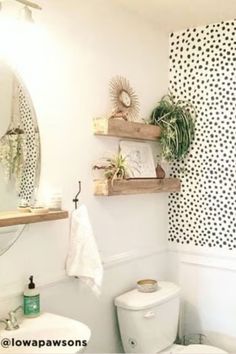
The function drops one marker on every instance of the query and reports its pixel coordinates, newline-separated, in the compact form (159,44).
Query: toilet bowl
(149,322)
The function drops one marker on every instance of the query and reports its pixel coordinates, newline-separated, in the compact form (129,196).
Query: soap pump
(31,300)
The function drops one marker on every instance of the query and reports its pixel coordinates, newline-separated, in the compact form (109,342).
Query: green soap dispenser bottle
(31,300)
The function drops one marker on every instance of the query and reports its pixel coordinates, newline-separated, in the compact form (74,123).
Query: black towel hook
(76,199)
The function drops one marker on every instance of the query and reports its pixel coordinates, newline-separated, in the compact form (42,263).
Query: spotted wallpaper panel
(203,70)
(31,167)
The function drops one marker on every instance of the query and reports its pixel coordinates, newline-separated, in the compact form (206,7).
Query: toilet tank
(149,321)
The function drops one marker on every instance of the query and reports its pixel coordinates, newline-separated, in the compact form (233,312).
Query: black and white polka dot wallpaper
(32,162)
(203,70)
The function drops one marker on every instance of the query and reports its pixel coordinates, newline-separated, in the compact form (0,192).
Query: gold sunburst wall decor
(124,99)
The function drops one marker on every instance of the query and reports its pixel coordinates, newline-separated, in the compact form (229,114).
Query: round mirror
(125,98)
(19,150)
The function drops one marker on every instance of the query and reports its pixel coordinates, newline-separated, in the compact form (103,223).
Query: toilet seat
(193,349)
(201,349)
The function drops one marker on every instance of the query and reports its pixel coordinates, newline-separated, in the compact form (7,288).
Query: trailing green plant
(177,122)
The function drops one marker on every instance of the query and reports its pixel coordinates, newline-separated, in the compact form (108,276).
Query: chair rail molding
(14,289)
(225,260)
(129,256)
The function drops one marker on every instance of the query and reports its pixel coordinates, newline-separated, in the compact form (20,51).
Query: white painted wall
(66,62)
(175,15)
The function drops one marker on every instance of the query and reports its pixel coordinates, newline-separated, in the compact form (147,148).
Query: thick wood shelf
(123,129)
(136,186)
(16,217)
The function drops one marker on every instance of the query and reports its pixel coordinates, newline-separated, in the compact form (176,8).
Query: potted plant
(177,122)
(114,167)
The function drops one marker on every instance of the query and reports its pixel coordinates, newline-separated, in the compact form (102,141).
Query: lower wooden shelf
(136,186)
(18,218)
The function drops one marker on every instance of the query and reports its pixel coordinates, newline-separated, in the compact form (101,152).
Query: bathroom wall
(66,60)
(202,217)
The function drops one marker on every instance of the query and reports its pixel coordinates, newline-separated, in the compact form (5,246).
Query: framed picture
(139,159)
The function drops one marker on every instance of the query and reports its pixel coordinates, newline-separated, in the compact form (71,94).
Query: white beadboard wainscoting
(129,256)
(208,283)
(204,257)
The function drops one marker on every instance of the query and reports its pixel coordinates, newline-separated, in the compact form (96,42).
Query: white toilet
(149,321)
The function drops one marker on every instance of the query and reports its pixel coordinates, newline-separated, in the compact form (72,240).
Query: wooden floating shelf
(17,218)
(123,129)
(136,186)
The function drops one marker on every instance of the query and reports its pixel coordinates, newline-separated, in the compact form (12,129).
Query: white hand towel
(83,259)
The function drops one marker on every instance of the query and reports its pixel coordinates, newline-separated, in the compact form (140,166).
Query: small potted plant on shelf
(177,122)
(114,167)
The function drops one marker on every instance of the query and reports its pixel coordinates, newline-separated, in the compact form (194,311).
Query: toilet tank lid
(136,300)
